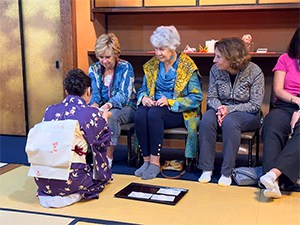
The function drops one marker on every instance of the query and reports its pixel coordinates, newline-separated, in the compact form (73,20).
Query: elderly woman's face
(221,62)
(107,60)
(163,54)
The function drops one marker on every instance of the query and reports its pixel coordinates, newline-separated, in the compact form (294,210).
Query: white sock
(268,180)
(59,201)
(110,161)
(224,181)
(205,177)
(272,193)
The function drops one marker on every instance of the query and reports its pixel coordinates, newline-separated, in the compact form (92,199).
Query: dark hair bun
(77,82)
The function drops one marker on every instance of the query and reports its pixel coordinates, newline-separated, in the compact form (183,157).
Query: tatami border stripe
(76,219)
(8,168)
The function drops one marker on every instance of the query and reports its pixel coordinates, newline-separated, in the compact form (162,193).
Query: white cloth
(50,148)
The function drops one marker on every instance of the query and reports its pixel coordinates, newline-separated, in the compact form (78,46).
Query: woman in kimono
(170,97)
(85,181)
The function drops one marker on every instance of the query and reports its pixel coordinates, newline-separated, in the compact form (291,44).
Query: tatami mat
(18,218)
(204,204)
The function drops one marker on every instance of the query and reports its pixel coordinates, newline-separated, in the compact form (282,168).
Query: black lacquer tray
(152,193)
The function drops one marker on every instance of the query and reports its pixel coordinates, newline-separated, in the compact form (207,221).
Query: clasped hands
(221,113)
(146,101)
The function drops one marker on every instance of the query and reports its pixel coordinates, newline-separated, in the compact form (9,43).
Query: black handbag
(244,176)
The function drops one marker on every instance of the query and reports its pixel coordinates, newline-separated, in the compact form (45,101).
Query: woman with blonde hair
(112,86)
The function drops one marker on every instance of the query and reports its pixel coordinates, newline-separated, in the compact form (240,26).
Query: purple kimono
(82,179)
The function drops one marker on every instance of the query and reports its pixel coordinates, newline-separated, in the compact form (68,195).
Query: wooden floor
(206,204)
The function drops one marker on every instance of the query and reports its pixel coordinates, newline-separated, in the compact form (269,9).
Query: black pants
(150,123)
(278,150)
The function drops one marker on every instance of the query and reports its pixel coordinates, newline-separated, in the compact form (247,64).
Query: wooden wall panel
(272,30)
(226,2)
(43,44)
(118,3)
(195,28)
(170,2)
(278,1)
(87,32)
(12,111)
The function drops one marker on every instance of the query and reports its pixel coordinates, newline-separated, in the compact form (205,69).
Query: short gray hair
(165,36)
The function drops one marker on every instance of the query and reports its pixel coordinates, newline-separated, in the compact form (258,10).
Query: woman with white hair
(169,97)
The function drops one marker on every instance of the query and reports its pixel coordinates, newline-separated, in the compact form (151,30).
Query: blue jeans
(233,125)
(119,117)
(150,123)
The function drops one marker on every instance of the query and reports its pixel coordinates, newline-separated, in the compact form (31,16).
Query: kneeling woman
(81,182)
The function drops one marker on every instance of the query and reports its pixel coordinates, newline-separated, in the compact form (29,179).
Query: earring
(172,57)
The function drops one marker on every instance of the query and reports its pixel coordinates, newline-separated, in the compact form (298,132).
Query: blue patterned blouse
(121,91)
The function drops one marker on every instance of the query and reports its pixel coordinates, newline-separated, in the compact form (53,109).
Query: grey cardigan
(246,94)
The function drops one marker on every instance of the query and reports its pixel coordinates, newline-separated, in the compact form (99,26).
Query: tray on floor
(152,193)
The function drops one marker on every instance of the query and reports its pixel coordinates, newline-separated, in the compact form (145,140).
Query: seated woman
(80,184)
(235,95)
(170,97)
(113,86)
(281,130)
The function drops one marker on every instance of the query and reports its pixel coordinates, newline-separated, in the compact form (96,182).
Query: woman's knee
(140,115)
(154,114)
(209,120)
(229,123)
(274,123)
(114,118)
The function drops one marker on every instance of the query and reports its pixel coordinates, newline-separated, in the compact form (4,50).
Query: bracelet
(291,100)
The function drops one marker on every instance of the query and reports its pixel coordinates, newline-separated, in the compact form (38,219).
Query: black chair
(174,133)
(133,154)
(128,130)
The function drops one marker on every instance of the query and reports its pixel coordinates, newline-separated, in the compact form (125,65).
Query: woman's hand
(146,101)
(106,107)
(162,102)
(106,115)
(95,105)
(221,113)
(295,119)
